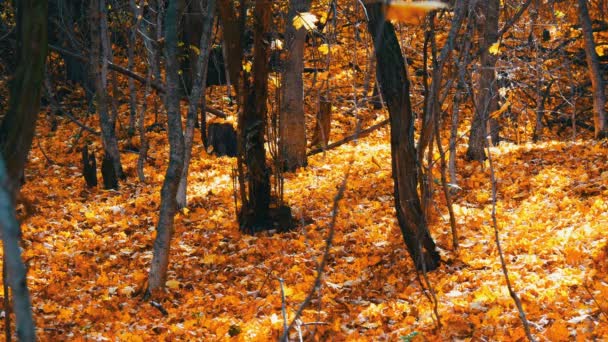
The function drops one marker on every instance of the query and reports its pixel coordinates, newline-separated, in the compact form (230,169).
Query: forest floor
(88,250)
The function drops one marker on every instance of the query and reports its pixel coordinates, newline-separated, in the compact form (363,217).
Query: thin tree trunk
(168,206)
(232,40)
(16,135)
(206,11)
(130,64)
(252,127)
(292,123)
(487,100)
(394,85)
(99,65)
(600,120)
(15,268)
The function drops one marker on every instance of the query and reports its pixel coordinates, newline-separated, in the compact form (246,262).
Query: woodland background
(304,170)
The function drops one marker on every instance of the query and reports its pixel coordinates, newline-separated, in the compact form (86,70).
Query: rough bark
(394,85)
(254,214)
(99,68)
(16,135)
(206,13)
(18,126)
(168,206)
(487,100)
(292,123)
(600,120)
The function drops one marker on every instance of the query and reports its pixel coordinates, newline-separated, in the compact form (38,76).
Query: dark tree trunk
(89,167)
(16,135)
(292,123)
(394,85)
(130,65)
(99,64)
(254,214)
(168,206)
(487,100)
(232,41)
(222,139)
(18,127)
(205,10)
(110,181)
(600,120)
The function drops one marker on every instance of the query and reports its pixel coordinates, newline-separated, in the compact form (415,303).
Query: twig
(328,244)
(154,84)
(80,124)
(360,134)
(595,300)
(283,305)
(48,159)
(159,307)
(522,314)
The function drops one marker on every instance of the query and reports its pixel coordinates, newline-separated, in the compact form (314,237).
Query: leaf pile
(88,251)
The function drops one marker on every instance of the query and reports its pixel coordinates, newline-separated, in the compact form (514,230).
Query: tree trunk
(487,100)
(600,120)
(16,135)
(99,65)
(292,123)
(18,126)
(130,66)
(394,85)
(168,205)
(232,41)
(206,13)
(254,214)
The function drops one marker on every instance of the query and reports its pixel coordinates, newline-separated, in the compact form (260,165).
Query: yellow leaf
(324,49)
(247,66)
(559,14)
(195,48)
(172,284)
(306,20)
(89,215)
(599,50)
(495,48)
(411,12)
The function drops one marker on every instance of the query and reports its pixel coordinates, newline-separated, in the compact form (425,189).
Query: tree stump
(221,138)
(89,167)
(279,219)
(110,181)
(320,137)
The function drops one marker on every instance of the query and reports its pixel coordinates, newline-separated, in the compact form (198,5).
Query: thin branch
(155,84)
(360,134)
(328,245)
(503,264)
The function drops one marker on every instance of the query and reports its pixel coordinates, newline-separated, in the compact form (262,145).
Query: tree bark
(394,85)
(168,206)
(130,64)
(600,120)
(99,65)
(232,41)
(252,127)
(206,12)
(16,135)
(292,123)
(487,100)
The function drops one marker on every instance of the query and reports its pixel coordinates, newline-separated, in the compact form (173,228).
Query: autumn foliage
(88,250)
